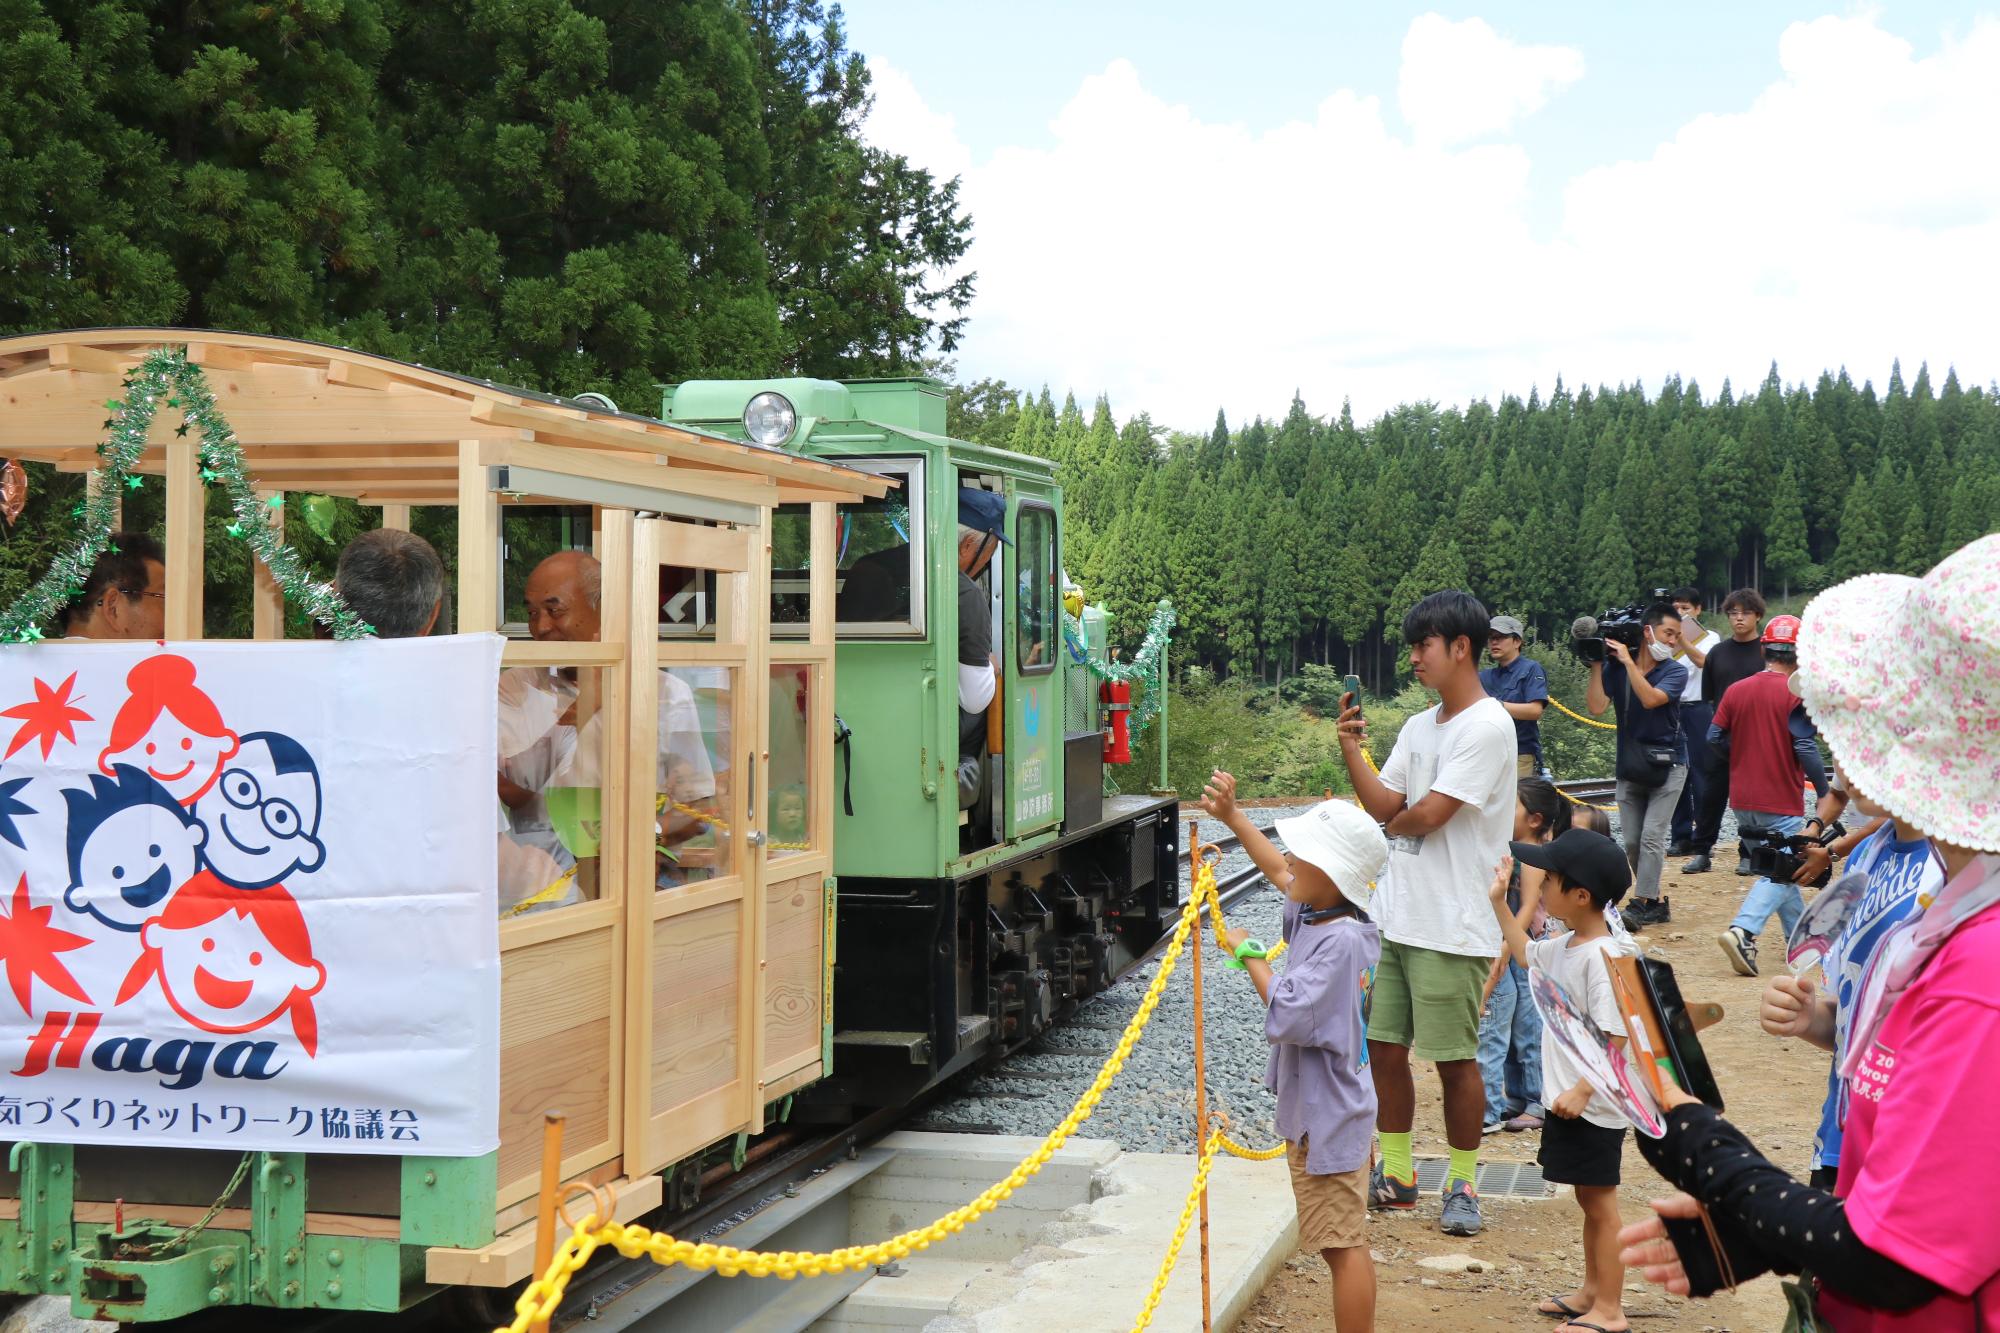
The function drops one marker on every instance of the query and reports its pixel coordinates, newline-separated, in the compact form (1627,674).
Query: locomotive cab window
(880,557)
(1036,626)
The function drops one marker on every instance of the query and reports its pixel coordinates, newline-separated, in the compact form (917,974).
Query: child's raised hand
(1787,1007)
(1232,939)
(1503,875)
(1218,797)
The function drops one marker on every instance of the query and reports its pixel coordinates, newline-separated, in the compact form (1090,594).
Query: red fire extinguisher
(1116,696)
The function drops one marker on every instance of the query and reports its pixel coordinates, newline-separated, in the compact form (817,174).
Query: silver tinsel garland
(166,377)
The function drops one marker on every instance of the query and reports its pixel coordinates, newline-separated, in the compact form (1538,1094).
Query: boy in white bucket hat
(1317,1023)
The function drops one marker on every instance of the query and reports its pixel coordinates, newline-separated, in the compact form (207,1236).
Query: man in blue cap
(982,529)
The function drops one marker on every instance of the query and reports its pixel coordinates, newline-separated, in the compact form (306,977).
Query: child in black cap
(1585,1135)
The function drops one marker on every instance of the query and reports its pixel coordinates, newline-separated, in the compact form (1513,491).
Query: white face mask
(1660,651)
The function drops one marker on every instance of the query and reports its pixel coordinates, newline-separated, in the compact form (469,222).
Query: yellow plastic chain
(1180,1232)
(720,824)
(545,1293)
(1560,707)
(1235,1149)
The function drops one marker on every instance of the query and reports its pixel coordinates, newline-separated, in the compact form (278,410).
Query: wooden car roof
(329,420)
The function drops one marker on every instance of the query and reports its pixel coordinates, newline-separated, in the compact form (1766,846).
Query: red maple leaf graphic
(47,718)
(29,945)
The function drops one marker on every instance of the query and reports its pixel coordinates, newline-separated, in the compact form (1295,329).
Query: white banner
(247,895)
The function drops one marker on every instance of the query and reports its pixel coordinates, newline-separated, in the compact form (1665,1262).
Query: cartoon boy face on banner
(130,845)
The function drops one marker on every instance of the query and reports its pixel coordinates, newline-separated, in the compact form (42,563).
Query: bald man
(542,748)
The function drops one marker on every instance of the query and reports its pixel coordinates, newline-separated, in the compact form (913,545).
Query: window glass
(791,567)
(692,776)
(791,759)
(878,551)
(1035,624)
(551,812)
(529,534)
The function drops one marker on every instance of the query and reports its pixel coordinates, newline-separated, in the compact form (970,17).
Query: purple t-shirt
(1317,1025)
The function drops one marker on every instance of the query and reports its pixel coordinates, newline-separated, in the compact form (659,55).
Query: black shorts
(1824,1178)
(1576,1152)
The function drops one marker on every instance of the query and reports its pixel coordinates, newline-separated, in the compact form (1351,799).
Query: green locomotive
(962,931)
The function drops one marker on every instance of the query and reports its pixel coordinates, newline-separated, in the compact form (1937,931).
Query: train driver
(982,529)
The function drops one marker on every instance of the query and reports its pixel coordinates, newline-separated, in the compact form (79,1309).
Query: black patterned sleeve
(1767,1221)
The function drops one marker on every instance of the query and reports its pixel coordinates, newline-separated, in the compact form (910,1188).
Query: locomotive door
(697,812)
(1031,625)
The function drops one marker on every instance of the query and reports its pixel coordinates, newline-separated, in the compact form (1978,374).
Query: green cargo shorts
(1427,1001)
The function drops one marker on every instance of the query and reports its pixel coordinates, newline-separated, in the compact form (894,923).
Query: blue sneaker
(1384,1192)
(1461,1211)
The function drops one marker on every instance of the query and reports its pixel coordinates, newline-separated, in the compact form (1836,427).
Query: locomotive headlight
(770,418)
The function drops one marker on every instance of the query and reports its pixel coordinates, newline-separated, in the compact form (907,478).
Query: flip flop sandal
(1561,1312)
(1594,1328)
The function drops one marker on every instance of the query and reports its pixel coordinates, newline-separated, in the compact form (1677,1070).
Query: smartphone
(1690,1062)
(1352,686)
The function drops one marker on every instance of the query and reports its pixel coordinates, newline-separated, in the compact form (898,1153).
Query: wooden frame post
(478,545)
(187,538)
(397,517)
(267,599)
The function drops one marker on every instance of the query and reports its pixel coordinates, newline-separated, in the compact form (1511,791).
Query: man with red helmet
(1761,726)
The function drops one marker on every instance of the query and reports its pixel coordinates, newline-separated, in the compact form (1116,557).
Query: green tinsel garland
(1143,669)
(165,376)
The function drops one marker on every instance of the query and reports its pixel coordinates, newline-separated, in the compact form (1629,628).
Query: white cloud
(1848,215)
(901,121)
(1464,81)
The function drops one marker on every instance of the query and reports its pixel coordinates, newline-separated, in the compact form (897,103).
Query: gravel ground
(1150,1108)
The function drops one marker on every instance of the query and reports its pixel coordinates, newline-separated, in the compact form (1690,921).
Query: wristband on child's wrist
(1247,949)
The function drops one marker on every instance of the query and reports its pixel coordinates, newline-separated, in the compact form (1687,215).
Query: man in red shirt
(1773,753)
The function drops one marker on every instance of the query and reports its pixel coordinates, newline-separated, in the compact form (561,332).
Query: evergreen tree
(1786,555)
(1439,566)
(1864,543)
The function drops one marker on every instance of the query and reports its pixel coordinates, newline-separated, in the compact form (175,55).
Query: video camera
(1777,856)
(1627,624)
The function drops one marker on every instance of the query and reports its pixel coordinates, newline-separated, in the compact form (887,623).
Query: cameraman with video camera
(1772,751)
(1632,672)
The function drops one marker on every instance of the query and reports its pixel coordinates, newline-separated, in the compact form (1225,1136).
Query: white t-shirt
(1433,895)
(1691,692)
(1586,978)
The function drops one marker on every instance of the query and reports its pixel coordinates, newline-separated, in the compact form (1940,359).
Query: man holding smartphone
(1522,688)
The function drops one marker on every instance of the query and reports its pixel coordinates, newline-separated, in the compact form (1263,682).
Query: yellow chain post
(1198,1194)
(1201,1081)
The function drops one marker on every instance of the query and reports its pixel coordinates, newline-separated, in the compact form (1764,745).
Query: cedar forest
(571,195)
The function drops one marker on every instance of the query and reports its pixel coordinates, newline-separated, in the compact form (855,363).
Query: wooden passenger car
(659,1020)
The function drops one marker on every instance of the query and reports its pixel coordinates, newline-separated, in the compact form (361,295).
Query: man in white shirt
(1445,797)
(1697,641)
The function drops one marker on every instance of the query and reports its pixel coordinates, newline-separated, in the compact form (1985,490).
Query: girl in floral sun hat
(1902,676)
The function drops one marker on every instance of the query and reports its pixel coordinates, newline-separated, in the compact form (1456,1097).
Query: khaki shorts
(1427,1001)
(1333,1210)
(1524,765)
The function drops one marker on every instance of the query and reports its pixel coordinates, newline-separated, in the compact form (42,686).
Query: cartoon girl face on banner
(263,816)
(232,960)
(1604,1066)
(169,729)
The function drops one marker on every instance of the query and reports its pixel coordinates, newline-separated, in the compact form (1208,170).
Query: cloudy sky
(1192,206)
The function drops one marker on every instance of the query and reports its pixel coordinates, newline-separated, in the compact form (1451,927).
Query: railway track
(616,1293)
